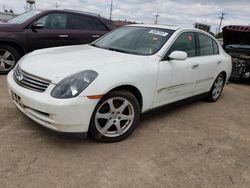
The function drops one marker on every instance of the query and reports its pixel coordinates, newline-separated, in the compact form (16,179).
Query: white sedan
(102,88)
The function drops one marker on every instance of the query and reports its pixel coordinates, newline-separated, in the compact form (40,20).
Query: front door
(54,32)
(177,78)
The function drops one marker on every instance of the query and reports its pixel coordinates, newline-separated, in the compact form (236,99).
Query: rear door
(209,62)
(85,29)
(54,33)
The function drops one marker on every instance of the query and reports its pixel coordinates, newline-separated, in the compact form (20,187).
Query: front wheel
(115,117)
(8,58)
(217,88)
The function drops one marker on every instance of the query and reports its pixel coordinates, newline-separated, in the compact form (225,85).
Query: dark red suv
(42,29)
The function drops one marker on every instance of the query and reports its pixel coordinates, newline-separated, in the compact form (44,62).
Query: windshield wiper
(116,50)
(107,48)
(92,44)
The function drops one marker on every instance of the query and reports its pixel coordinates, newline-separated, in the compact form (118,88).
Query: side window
(206,45)
(54,21)
(78,22)
(99,26)
(185,42)
(216,48)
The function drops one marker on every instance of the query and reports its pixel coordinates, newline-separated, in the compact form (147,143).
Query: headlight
(73,85)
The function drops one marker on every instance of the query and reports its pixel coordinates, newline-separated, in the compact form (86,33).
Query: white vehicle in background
(102,88)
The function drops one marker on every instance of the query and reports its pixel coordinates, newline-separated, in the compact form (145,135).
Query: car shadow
(55,137)
(240,82)
(170,108)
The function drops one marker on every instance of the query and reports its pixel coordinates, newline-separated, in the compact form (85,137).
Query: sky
(172,12)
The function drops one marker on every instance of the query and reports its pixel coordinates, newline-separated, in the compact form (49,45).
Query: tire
(9,56)
(217,88)
(115,117)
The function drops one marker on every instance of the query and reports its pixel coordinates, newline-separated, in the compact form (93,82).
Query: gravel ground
(195,145)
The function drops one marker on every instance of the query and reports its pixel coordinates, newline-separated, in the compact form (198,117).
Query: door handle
(95,36)
(195,66)
(218,63)
(63,36)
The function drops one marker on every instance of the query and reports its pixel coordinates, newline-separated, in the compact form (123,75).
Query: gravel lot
(196,145)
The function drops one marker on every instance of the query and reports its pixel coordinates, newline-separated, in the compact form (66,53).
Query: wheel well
(14,45)
(132,90)
(224,74)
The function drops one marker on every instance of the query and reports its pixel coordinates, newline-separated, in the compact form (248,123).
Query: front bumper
(62,115)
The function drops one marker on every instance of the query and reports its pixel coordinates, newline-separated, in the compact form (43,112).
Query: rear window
(216,48)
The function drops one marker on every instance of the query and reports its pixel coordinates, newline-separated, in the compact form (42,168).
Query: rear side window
(54,21)
(78,22)
(216,48)
(99,26)
(206,45)
(185,42)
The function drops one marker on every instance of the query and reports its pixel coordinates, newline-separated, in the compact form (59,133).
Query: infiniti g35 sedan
(101,89)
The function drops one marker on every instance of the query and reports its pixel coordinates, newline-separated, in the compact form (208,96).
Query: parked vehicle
(42,29)
(237,44)
(103,88)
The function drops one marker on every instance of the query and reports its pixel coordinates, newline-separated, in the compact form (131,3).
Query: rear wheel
(115,117)
(8,58)
(217,88)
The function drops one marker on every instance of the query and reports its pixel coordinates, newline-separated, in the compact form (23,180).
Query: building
(5,16)
(120,23)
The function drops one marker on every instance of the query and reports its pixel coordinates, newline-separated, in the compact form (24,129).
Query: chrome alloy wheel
(114,117)
(218,86)
(7,60)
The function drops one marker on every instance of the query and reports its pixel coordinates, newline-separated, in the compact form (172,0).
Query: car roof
(170,27)
(71,11)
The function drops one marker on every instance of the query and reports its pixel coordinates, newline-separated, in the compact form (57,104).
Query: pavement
(198,144)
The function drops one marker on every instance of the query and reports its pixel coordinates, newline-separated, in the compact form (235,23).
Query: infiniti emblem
(20,77)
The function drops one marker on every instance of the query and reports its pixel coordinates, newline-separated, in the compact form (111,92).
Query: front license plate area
(16,98)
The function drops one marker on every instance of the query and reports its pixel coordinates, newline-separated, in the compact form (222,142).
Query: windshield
(23,17)
(135,40)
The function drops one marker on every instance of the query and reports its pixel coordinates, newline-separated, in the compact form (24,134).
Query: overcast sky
(177,12)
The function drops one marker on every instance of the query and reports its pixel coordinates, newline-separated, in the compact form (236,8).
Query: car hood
(6,27)
(233,35)
(57,63)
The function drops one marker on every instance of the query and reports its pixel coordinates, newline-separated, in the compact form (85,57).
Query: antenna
(111,10)
(156,17)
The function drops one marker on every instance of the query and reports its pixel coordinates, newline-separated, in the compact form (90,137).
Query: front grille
(29,81)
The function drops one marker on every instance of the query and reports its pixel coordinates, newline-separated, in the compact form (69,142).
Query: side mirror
(37,26)
(178,55)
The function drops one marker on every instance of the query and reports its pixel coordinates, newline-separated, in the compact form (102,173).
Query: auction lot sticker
(160,33)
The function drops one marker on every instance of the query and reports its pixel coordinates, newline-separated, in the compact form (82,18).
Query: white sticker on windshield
(161,33)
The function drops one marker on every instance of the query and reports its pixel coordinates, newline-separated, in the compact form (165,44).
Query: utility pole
(111,10)
(156,18)
(221,19)
(57,5)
